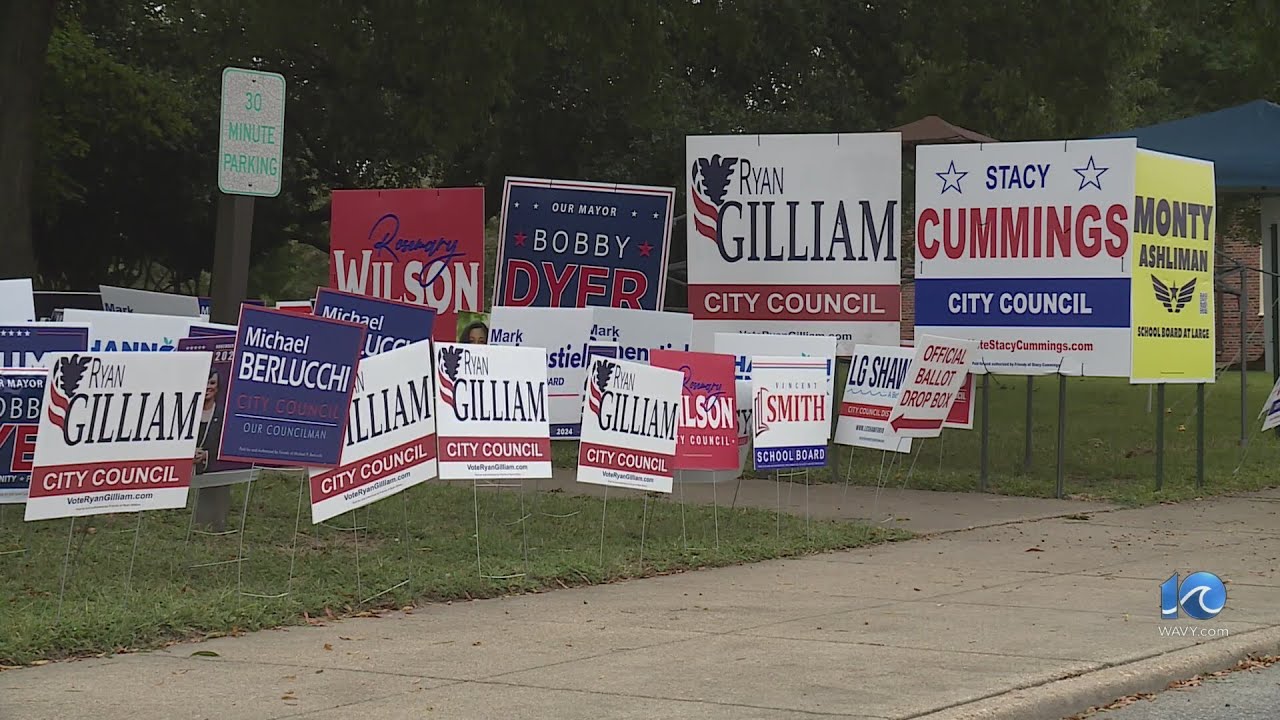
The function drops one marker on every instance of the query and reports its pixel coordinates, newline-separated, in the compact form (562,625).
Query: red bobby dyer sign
(420,246)
(708,437)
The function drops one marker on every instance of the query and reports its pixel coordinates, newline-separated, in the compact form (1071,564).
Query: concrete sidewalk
(920,511)
(1036,619)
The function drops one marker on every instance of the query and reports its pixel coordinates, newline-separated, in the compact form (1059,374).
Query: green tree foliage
(430,92)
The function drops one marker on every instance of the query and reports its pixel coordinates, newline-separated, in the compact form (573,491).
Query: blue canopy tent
(1244,144)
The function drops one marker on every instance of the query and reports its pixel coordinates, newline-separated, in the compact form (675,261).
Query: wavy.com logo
(1202,595)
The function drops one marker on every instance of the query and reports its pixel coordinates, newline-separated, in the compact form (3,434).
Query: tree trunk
(25,27)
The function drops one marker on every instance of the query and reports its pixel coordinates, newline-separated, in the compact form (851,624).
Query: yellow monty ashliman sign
(1172,288)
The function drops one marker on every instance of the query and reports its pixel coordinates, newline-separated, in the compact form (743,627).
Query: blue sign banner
(291,384)
(579,244)
(24,345)
(1022,302)
(204,331)
(391,324)
(21,395)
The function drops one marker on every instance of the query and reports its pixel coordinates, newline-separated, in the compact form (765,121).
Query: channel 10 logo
(1201,596)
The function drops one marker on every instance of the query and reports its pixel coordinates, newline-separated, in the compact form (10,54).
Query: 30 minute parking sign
(251,144)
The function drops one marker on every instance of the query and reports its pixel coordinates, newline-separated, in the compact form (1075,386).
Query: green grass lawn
(1109,450)
(106,607)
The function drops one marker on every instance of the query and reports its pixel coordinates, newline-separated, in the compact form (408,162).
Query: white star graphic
(1090,174)
(516,204)
(655,216)
(951,178)
(634,213)
(535,206)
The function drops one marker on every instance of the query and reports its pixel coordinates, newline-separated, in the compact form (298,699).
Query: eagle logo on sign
(710,183)
(1173,298)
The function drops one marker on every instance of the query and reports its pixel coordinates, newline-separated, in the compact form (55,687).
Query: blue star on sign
(951,178)
(1090,174)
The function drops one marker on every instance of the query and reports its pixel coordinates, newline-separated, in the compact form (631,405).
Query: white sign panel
(251,139)
(492,412)
(791,412)
(391,434)
(795,235)
(876,377)
(17,301)
(131,332)
(630,418)
(129,300)
(639,331)
(118,433)
(1024,248)
(565,334)
(1271,411)
(937,373)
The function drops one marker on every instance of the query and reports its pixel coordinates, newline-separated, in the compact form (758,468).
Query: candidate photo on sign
(210,423)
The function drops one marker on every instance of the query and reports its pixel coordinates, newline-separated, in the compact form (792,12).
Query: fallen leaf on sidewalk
(327,646)
(204,653)
(1035,549)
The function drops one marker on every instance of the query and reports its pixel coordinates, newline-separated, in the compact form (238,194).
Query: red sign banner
(423,246)
(708,438)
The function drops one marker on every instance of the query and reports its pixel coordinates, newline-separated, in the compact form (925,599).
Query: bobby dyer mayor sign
(118,433)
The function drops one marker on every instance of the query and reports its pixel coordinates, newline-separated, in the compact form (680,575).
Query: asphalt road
(1245,695)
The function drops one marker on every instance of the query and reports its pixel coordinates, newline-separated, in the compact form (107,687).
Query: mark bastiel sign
(795,234)
(565,333)
(423,246)
(293,376)
(791,397)
(630,420)
(568,243)
(937,373)
(391,434)
(118,433)
(492,412)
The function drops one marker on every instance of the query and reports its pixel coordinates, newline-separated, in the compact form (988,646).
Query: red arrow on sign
(906,423)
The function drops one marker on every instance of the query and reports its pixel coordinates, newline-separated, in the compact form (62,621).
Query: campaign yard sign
(961,415)
(708,438)
(938,371)
(17,301)
(491,402)
(130,300)
(25,345)
(640,331)
(1172,292)
(131,332)
(390,442)
(570,243)
(795,234)
(293,380)
(791,398)
(565,333)
(302,307)
(1270,414)
(423,246)
(213,409)
(118,433)
(21,397)
(630,424)
(391,324)
(211,330)
(876,376)
(1025,248)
